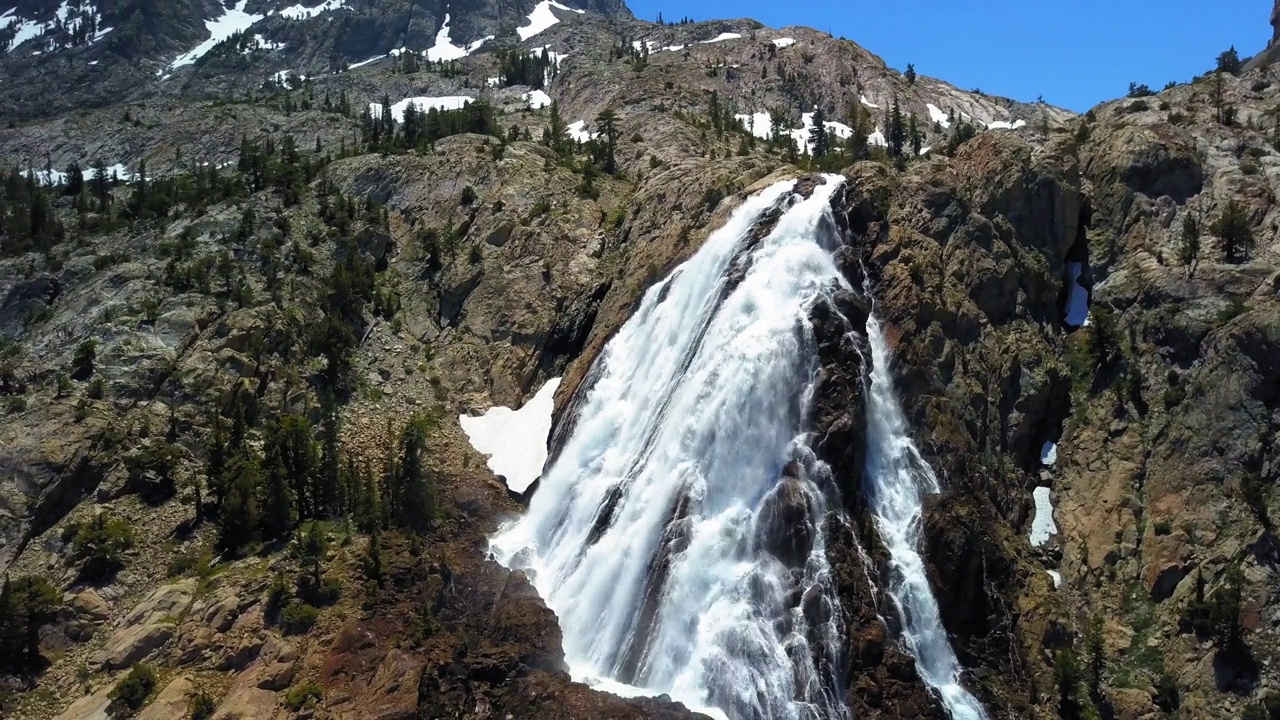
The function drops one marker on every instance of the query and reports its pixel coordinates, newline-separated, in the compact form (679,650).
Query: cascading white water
(649,534)
(896,478)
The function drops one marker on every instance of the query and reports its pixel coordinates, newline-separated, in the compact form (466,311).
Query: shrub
(97,389)
(131,693)
(1138,106)
(1166,697)
(1163,527)
(15,404)
(297,618)
(99,544)
(303,696)
(468,196)
(1248,167)
(198,562)
(82,361)
(201,706)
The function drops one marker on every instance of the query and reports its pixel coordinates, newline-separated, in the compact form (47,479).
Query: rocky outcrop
(147,627)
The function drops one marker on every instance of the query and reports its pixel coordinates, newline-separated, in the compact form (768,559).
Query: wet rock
(786,525)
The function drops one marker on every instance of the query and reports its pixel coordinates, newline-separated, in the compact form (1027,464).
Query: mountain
(100,53)
(354,367)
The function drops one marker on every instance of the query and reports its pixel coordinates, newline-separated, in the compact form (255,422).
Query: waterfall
(896,478)
(678,533)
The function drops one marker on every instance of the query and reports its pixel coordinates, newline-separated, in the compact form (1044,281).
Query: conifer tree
(238,517)
(1235,236)
(897,132)
(914,136)
(1189,247)
(607,121)
(412,489)
(36,603)
(862,129)
(910,74)
(818,134)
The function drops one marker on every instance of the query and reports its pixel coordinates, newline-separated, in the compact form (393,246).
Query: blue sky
(1076,53)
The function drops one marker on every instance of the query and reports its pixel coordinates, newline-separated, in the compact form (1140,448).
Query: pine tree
(1189,247)
(1067,676)
(276,502)
(818,133)
(897,135)
(1229,61)
(861,125)
(238,515)
(557,140)
(310,546)
(607,121)
(36,603)
(412,489)
(1232,228)
(910,74)
(914,136)
(1097,656)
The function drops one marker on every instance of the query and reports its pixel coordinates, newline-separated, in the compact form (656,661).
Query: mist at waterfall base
(648,533)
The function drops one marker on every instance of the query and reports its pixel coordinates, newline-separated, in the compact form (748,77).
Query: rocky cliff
(464,271)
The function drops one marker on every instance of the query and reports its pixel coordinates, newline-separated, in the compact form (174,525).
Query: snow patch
(1042,525)
(721,38)
(300,12)
(936,115)
(537,99)
(1078,300)
(803,135)
(877,139)
(578,131)
(1048,453)
(362,63)
(261,43)
(541,18)
(759,124)
(784,42)
(863,99)
(492,82)
(27,30)
(50,178)
(448,102)
(231,21)
(444,48)
(1005,124)
(925,150)
(515,440)
(284,78)
(1057,577)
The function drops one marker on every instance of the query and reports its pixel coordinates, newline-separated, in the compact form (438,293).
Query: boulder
(171,702)
(90,707)
(786,525)
(89,605)
(151,624)
(247,702)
